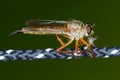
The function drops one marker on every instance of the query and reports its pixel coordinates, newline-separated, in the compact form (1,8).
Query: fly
(73,30)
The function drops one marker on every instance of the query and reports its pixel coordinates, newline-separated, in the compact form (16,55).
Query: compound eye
(89,28)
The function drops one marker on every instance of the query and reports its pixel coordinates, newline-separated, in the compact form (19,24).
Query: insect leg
(89,48)
(61,42)
(62,47)
(66,36)
(76,46)
(82,49)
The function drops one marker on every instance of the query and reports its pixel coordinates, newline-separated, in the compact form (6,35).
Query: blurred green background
(104,13)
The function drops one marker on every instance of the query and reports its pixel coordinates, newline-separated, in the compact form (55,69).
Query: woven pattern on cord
(50,53)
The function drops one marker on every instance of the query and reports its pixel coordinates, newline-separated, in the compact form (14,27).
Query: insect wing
(45,22)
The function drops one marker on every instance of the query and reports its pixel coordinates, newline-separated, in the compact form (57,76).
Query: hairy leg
(76,47)
(60,49)
(61,42)
(89,48)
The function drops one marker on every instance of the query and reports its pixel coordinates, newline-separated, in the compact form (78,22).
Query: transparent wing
(45,22)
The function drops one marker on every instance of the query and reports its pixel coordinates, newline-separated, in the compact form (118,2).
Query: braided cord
(51,53)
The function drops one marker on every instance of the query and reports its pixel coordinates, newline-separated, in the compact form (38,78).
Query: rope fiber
(50,53)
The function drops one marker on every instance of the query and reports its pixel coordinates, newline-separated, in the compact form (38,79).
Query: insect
(72,29)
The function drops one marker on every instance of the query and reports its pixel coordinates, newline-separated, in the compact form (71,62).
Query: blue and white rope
(51,53)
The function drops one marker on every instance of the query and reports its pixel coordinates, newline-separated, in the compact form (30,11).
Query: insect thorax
(77,30)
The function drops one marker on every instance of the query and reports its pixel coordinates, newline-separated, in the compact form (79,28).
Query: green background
(104,13)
